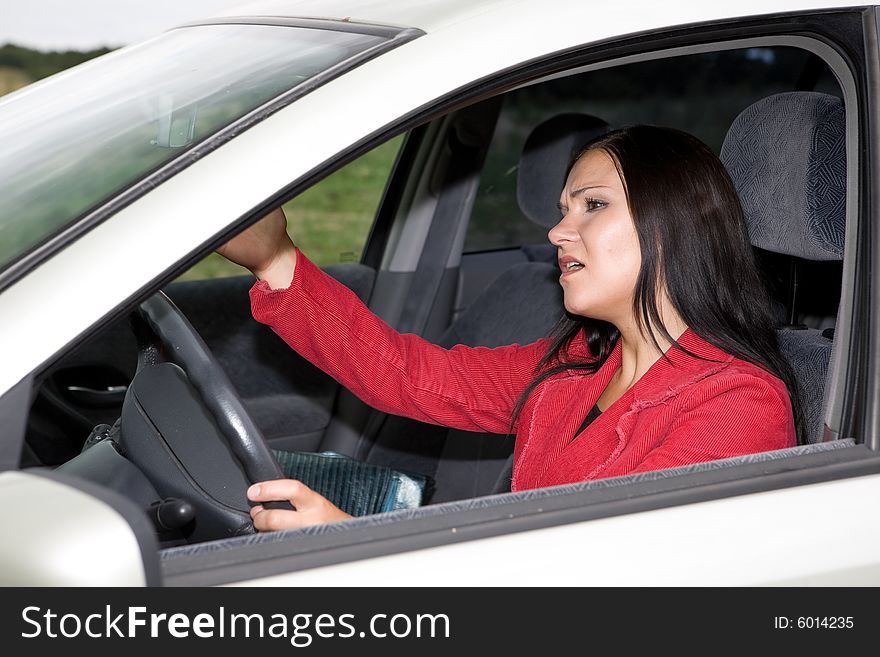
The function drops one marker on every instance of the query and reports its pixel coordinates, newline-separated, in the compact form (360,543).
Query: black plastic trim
(137,519)
(15,404)
(250,561)
(19,267)
(868,242)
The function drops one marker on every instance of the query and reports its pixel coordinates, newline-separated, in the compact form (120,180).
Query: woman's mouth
(569,265)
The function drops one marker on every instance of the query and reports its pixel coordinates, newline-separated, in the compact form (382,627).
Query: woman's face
(598,248)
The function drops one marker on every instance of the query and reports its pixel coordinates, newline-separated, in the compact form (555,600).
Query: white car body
(744,539)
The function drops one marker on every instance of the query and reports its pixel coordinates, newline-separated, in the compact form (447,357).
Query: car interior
(488,176)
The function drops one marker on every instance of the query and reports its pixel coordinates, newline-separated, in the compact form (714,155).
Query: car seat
(786,155)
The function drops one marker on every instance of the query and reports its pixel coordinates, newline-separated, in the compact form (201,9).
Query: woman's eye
(594,204)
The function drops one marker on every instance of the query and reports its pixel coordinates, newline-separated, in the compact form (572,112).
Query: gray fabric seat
(787,157)
(521,306)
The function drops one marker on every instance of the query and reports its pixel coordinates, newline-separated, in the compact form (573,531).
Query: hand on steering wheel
(311,507)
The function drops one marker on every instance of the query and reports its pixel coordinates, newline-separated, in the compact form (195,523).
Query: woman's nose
(562,232)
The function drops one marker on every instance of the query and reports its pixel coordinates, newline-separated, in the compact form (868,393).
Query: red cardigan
(683,410)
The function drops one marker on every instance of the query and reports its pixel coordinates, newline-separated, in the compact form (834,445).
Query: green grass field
(330,221)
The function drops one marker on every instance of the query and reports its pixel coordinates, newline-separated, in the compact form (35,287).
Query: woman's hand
(266,249)
(311,507)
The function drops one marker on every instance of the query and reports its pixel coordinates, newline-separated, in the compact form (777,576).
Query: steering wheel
(184,425)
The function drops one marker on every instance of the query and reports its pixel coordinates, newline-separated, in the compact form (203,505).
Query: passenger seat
(787,156)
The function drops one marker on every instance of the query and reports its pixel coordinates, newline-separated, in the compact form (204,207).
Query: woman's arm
(266,249)
(470,388)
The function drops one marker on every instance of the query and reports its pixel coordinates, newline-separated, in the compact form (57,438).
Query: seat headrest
(787,156)
(545,160)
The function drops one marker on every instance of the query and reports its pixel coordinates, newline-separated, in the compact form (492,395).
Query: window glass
(331,220)
(700,94)
(77,139)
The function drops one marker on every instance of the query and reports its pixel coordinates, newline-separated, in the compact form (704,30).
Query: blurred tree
(20,66)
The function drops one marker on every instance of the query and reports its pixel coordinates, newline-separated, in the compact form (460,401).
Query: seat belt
(465,163)
(463,166)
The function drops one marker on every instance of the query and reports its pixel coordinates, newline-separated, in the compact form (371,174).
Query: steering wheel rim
(160,326)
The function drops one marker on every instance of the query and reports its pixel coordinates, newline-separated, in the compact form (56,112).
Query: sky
(89,24)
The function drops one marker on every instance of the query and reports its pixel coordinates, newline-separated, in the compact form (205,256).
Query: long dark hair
(694,242)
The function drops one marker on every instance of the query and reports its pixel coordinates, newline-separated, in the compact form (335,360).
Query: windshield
(76,140)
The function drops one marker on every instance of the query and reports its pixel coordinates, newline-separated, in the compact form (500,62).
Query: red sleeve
(469,388)
(730,416)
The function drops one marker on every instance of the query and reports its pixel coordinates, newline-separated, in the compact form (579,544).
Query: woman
(666,356)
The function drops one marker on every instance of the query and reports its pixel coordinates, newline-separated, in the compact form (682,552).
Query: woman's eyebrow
(586,188)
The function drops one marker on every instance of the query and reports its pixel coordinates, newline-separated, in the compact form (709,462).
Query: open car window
(699,93)
(331,220)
